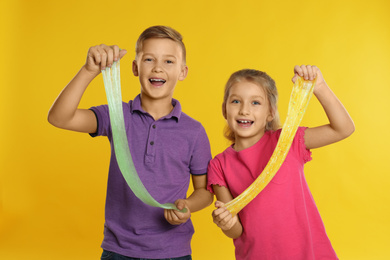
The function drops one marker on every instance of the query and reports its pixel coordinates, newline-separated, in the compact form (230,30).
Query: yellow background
(53,181)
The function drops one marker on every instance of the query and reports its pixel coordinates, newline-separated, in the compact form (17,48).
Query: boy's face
(159,65)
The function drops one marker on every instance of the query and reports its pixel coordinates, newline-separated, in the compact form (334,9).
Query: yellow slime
(300,97)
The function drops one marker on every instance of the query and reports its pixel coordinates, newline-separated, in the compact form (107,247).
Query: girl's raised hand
(101,56)
(308,72)
(222,217)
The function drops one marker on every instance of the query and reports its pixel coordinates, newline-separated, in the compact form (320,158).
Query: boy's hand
(308,72)
(101,56)
(175,217)
(222,217)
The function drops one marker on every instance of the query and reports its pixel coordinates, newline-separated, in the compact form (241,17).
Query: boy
(167,147)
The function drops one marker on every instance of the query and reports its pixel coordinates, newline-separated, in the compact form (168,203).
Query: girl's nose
(244,110)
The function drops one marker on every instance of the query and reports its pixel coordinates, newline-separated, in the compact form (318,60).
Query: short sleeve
(201,153)
(215,175)
(300,147)
(103,121)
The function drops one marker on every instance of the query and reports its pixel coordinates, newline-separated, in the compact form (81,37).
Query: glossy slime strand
(300,96)
(112,85)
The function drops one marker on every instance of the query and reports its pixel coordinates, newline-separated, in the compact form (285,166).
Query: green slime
(112,85)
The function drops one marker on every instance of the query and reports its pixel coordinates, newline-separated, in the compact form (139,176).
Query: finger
(103,57)
(109,55)
(315,71)
(174,216)
(218,211)
(168,217)
(115,50)
(298,70)
(94,56)
(310,72)
(294,78)
(224,217)
(304,72)
(122,53)
(219,204)
(180,204)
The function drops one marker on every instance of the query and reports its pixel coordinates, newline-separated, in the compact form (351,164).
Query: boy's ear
(135,68)
(183,73)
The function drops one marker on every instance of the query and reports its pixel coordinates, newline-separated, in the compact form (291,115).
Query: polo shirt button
(151,143)
(154,126)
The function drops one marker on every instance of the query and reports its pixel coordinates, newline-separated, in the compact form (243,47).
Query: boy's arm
(340,123)
(199,199)
(230,226)
(64,112)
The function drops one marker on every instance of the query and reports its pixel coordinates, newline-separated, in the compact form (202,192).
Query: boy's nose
(157,68)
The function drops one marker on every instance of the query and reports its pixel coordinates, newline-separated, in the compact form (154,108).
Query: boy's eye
(256,103)
(169,61)
(235,101)
(148,59)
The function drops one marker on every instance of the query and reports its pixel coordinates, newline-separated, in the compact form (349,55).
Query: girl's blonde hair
(163,32)
(264,81)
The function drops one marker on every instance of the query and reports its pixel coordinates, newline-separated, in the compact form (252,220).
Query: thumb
(219,204)
(180,204)
(122,53)
(294,78)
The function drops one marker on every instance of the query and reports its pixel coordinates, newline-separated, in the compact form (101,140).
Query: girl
(282,222)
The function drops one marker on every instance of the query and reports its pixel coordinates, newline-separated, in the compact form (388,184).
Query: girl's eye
(256,103)
(235,101)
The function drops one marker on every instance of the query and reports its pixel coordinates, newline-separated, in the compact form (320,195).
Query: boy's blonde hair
(160,31)
(264,81)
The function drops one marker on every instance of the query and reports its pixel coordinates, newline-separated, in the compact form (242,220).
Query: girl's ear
(135,68)
(224,110)
(270,118)
(183,73)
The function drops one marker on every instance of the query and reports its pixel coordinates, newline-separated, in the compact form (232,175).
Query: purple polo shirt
(165,153)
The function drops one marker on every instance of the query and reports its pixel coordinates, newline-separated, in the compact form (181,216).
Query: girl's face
(247,113)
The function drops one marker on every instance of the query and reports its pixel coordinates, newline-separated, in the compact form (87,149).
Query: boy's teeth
(157,80)
(244,121)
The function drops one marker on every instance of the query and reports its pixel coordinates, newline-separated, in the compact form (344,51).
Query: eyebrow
(165,55)
(252,97)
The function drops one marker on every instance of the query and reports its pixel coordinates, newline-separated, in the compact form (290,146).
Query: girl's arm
(340,123)
(64,112)
(231,226)
(199,199)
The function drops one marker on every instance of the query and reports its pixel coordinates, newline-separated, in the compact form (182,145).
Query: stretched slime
(299,100)
(112,85)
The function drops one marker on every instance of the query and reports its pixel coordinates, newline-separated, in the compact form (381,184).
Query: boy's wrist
(87,73)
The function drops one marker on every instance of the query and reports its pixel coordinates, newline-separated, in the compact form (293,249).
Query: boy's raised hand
(222,217)
(175,217)
(101,56)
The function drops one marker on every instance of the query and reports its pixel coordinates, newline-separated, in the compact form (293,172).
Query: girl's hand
(223,218)
(308,72)
(101,56)
(175,217)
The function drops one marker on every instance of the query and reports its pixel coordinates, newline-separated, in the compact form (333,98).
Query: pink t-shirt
(282,222)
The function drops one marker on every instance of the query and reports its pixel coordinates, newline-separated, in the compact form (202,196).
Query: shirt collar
(175,113)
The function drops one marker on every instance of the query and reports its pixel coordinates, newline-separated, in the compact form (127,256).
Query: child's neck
(157,108)
(244,143)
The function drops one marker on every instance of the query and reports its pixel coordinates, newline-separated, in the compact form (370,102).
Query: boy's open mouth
(157,82)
